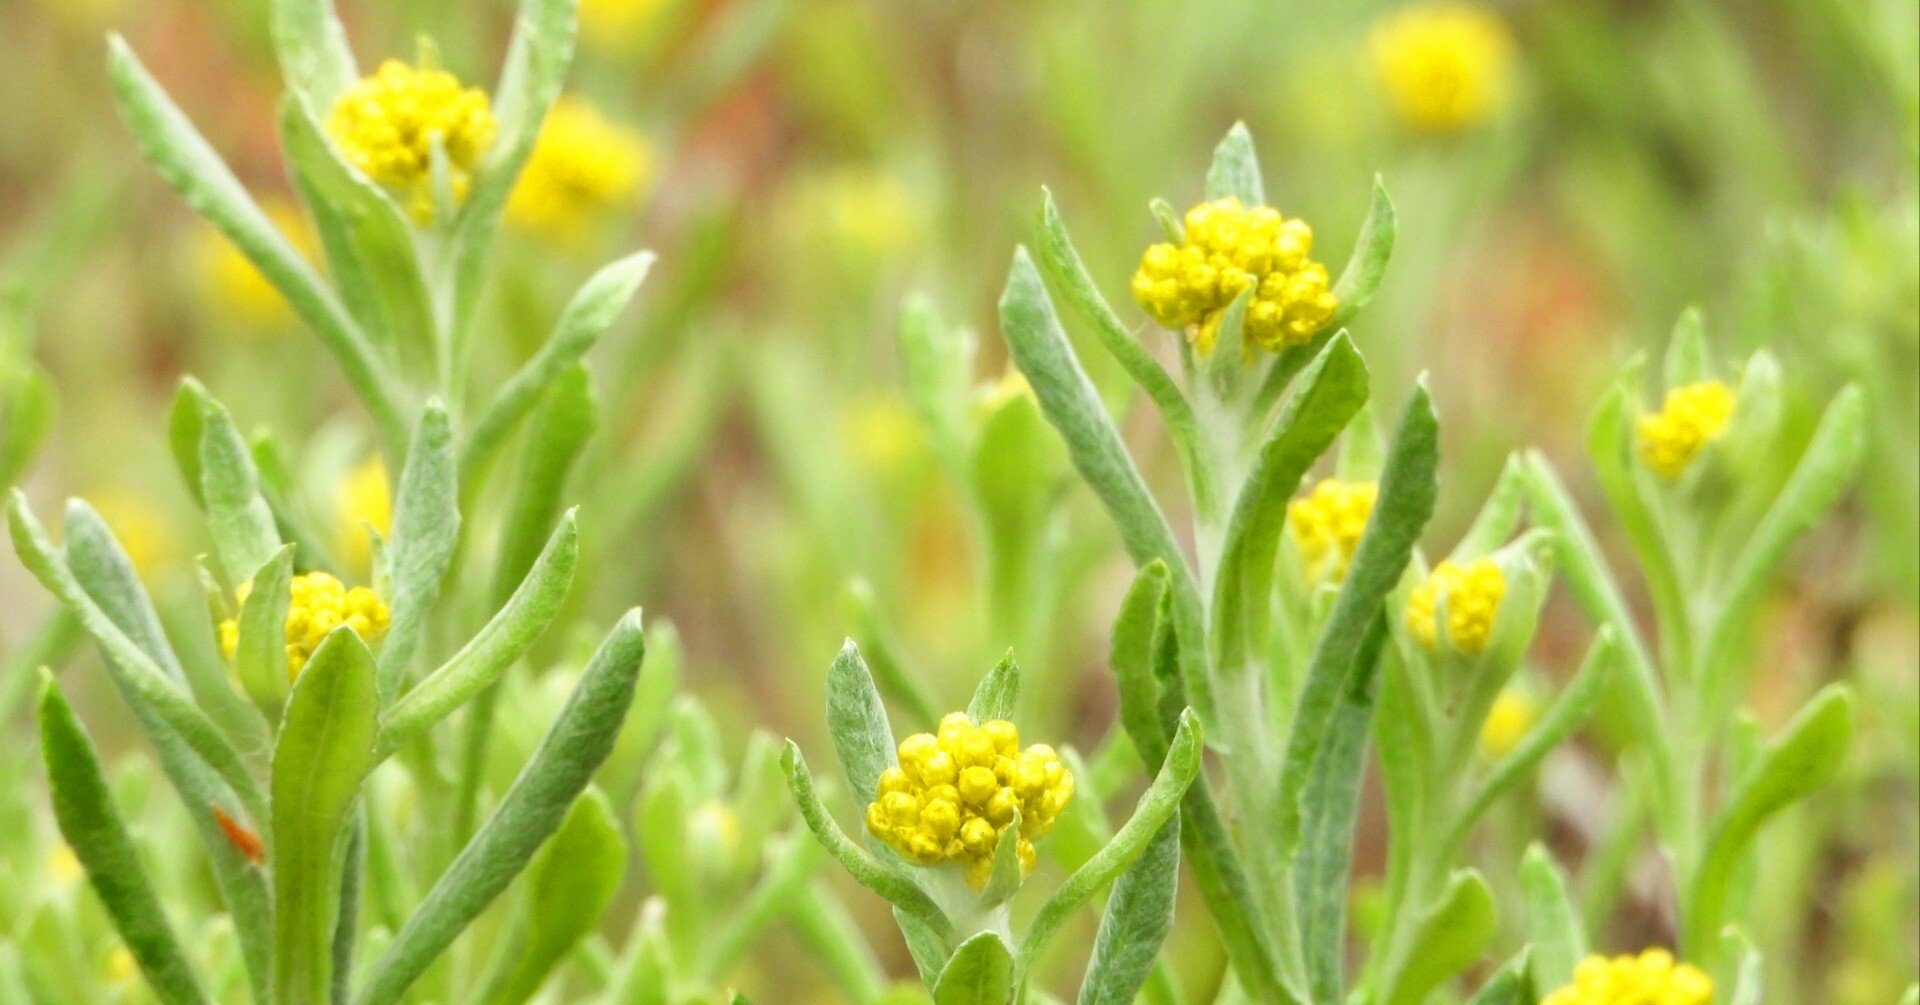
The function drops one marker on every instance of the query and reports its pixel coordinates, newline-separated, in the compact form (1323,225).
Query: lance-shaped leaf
(190,165)
(1808,754)
(589,314)
(1075,285)
(573,748)
(84,808)
(509,633)
(555,436)
(1330,806)
(1368,263)
(981,972)
(131,667)
(311,44)
(857,722)
(244,533)
(1003,881)
(426,530)
(1072,405)
(324,752)
(260,654)
(1408,487)
(1235,171)
(1510,985)
(1136,632)
(1559,937)
(997,692)
(1138,917)
(1743,981)
(26,415)
(1157,805)
(868,871)
(1449,939)
(570,884)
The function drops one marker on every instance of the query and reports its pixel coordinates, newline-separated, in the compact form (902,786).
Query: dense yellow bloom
(364,499)
(320,604)
(1472,593)
(584,165)
(1444,66)
(234,285)
(1327,523)
(1230,248)
(954,793)
(386,126)
(1651,978)
(1690,418)
(1512,715)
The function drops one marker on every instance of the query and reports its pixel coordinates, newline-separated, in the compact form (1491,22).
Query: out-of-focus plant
(951,818)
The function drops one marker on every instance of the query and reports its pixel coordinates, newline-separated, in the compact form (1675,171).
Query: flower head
(1444,65)
(320,604)
(955,792)
(1229,249)
(583,165)
(1472,593)
(233,283)
(1327,523)
(1690,418)
(1512,714)
(1651,978)
(387,125)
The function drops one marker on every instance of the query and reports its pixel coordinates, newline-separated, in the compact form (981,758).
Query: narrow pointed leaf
(979,973)
(1138,917)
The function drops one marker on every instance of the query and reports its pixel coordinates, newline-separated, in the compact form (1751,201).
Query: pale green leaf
(997,693)
(569,886)
(426,531)
(1138,917)
(1235,172)
(857,722)
(979,973)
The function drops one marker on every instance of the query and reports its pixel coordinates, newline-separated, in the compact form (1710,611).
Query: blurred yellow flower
(64,865)
(584,166)
(142,530)
(320,604)
(954,793)
(233,284)
(387,124)
(1651,978)
(881,432)
(121,967)
(618,24)
(1327,523)
(861,213)
(364,499)
(1445,66)
(1690,418)
(1472,593)
(1229,249)
(1512,715)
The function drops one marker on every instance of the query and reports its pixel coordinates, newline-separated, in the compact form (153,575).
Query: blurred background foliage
(802,167)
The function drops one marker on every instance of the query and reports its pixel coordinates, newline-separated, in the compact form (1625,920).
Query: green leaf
(1138,917)
(1559,937)
(1136,632)
(1499,516)
(1687,360)
(1075,284)
(311,44)
(1510,985)
(938,360)
(1368,263)
(190,165)
(1336,387)
(131,667)
(1235,172)
(324,752)
(1624,479)
(980,973)
(867,870)
(505,637)
(885,656)
(1157,805)
(1003,881)
(556,433)
(1408,487)
(245,535)
(1807,756)
(1450,938)
(1745,984)
(92,827)
(857,723)
(587,316)
(26,416)
(997,692)
(570,884)
(1330,805)
(426,531)
(574,746)
(260,658)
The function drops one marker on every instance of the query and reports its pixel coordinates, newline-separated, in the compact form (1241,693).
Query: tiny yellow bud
(1472,594)
(1327,523)
(1690,418)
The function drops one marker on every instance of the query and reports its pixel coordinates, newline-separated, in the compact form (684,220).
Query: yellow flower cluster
(1444,66)
(1472,593)
(582,166)
(1651,978)
(1230,248)
(954,793)
(386,126)
(1327,523)
(1512,715)
(320,604)
(1689,419)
